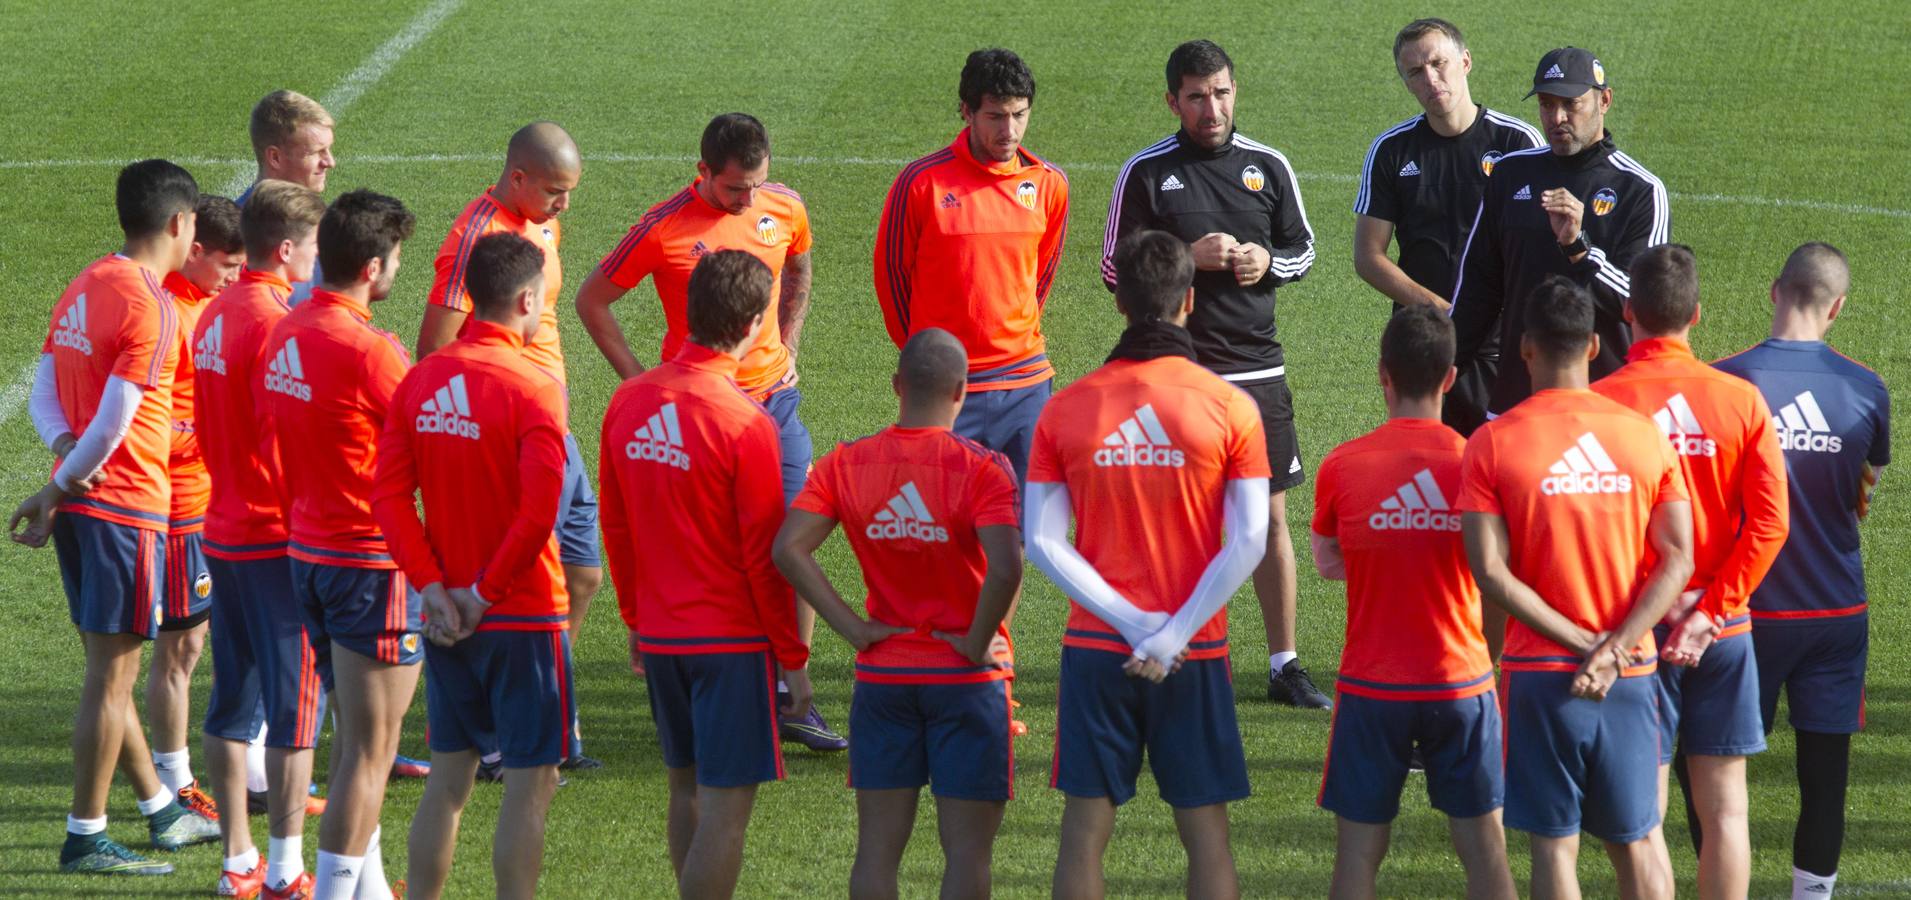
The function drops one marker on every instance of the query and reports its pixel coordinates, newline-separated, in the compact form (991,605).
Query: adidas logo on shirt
(1554,72)
(448,412)
(70,332)
(1171,183)
(1411,168)
(1417,505)
(206,357)
(906,516)
(285,375)
(699,250)
(949,201)
(1524,193)
(1802,426)
(660,440)
(1585,469)
(1140,441)
(1681,427)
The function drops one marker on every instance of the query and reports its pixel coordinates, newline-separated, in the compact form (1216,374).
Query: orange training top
(192,486)
(1146,449)
(246,519)
(484,216)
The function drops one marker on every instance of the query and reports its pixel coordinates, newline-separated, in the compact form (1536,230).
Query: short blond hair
(278,211)
(279,115)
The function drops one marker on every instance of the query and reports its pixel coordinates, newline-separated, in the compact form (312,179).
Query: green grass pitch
(1771,124)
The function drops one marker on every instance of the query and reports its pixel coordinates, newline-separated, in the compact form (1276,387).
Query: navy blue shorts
(113,574)
(1372,741)
(188,599)
(1820,664)
(371,612)
(952,737)
(1004,421)
(1577,765)
(508,691)
(716,712)
(1105,720)
(793,436)
(263,658)
(577,512)
(1712,708)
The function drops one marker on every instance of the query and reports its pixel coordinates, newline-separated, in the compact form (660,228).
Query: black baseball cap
(1568,72)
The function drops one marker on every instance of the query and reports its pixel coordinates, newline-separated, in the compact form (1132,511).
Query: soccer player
(329,385)
(292,141)
(541,168)
(732,205)
(1809,625)
(1421,185)
(1235,202)
(1577,524)
(1414,671)
(692,499)
(477,430)
(261,654)
(932,520)
(216,257)
(969,241)
(1155,458)
(102,402)
(1578,208)
(1735,474)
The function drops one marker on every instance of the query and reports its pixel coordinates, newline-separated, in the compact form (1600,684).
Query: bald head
(543,148)
(1814,275)
(933,367)
(541,168)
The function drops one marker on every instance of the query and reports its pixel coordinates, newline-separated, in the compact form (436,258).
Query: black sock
(1824,768)
(1692,823)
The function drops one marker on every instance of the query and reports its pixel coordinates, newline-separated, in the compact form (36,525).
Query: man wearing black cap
(1577,208)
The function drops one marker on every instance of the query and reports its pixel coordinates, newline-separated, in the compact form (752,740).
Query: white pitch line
(374,159)
(368,73)
(13,397)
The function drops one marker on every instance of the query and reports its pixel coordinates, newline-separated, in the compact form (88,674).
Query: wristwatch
(1577,247)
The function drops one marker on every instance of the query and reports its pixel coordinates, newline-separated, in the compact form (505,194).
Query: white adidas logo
(70,332)
(1585,469)
(1524,193)
(1554,72)
(286,375)
(1171,183)
(448,412)
(1411,168)
(207,357)
(906,516)
(1802,426)
(1418,505)
(1140,441)
(1681,427)
(660,440)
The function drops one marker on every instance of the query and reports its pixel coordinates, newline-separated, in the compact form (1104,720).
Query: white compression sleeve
(1045,519)
(1244,542)
(43,404)
(118,403)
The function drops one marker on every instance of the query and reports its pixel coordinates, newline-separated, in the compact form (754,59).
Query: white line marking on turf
(13,397)
(368,73)
(1856,209)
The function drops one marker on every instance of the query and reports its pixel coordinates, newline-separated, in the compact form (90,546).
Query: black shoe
(492,772)
(580,762)
(1417,761)
(1294,687)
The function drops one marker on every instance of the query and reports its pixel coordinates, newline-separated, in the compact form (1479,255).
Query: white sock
(284,860)
(255,763)
(1278,661)
(244,862)
(1806,886)
(782,687)
(372,884)
(492,759)
(337,876)
(156,802)
(174,768)
(85,826)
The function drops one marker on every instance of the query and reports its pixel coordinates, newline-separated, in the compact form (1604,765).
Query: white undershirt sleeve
(118,404)
(1244,542)
(1045,518)
(43,404)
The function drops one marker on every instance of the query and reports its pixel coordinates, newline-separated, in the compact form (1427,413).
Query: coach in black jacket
(1578,208)
(1237,205)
